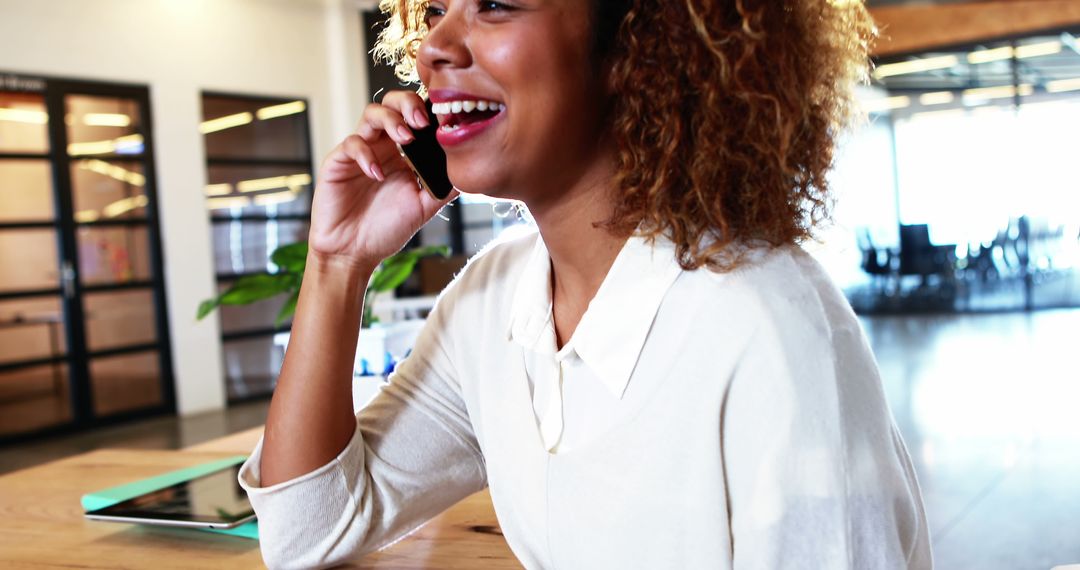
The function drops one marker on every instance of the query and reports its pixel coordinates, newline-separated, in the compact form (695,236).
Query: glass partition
(258,196)
(979,142)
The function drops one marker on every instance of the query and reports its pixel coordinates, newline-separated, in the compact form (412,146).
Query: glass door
(35,392)
(83,331)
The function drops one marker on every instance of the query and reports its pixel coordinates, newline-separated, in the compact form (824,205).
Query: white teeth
(454,107)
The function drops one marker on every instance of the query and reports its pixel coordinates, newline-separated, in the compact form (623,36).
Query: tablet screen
(213,498)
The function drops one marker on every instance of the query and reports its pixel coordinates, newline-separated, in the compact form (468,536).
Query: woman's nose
(446,44)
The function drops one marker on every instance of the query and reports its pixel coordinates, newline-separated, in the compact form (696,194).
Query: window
(979,140)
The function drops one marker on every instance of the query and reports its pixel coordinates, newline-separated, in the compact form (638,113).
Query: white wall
(289,48)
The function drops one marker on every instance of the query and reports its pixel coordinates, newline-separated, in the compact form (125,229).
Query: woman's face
(530,62)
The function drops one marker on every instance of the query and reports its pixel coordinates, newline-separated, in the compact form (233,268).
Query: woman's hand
(367,202)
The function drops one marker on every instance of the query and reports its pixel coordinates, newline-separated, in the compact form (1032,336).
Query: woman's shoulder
(783,286)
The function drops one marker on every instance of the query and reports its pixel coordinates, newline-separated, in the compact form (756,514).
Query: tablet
(214,500)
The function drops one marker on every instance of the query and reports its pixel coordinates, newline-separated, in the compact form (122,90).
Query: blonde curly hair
(725,112)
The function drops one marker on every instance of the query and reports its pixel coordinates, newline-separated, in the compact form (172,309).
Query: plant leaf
(397,268)
(288,309)
(256,288)
(205,308)
(392,274)
(292,257)
(430,250)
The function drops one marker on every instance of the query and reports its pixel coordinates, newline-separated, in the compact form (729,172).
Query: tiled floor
(989,406)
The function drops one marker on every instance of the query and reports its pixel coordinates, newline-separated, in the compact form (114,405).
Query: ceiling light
(275,198)
(1063,85)
(218,189)
(988,55)
(887,104)
(1021,52)
(24,116)
(937,98)
(130,144)
(124,205)
(298,180)
(226,122)
(260,184)
(282,110)
(113,171)
(106,120)
(93,147)
(1038,50)
(86,216)
(916,66)
(1001,92)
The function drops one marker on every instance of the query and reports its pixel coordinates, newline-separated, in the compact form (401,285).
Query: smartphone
(427,159)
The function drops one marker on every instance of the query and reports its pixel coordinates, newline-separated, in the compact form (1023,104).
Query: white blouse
(694,420)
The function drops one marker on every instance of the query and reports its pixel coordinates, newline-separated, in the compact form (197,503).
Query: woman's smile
(463,116)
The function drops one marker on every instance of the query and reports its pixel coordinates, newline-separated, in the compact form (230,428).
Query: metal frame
(78,356)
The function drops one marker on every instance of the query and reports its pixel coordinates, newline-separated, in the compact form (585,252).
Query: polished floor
(989,405)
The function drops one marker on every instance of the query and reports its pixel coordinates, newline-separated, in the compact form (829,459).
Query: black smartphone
(428,159)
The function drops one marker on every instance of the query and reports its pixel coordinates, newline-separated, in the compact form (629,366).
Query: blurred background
(154,153)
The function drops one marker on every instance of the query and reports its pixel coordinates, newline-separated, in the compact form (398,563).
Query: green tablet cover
(112,495)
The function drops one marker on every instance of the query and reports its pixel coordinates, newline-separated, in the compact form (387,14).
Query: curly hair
(725,113)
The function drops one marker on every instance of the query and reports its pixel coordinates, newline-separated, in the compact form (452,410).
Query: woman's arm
(367,205)
(328,486)
(410,454)
(311,416)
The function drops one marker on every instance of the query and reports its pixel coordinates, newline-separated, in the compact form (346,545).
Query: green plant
(291,260)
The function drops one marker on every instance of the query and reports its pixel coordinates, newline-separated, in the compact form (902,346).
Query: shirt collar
(616,323)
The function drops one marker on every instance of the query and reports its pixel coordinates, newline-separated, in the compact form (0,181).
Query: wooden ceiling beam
(921,27)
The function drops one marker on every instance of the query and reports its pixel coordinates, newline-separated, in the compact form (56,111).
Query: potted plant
(291,260)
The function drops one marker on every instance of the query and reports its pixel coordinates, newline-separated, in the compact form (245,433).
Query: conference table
(42,524)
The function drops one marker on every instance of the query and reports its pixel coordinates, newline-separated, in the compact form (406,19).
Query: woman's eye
(487,6)
(432,12)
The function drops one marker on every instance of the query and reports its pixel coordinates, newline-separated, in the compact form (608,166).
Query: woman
(658,378)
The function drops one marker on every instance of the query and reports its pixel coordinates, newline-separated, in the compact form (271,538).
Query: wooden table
(41,522)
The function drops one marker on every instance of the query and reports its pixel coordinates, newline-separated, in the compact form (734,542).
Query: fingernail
(377,172)
(405,133)
(420,117)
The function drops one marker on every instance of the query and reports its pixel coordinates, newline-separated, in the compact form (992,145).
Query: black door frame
(54,91)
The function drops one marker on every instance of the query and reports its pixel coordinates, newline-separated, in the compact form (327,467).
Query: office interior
(153,154)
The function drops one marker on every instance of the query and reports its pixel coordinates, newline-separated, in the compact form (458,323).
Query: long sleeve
(413,455)
(817,474)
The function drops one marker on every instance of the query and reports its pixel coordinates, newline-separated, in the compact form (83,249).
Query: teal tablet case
(113,495)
